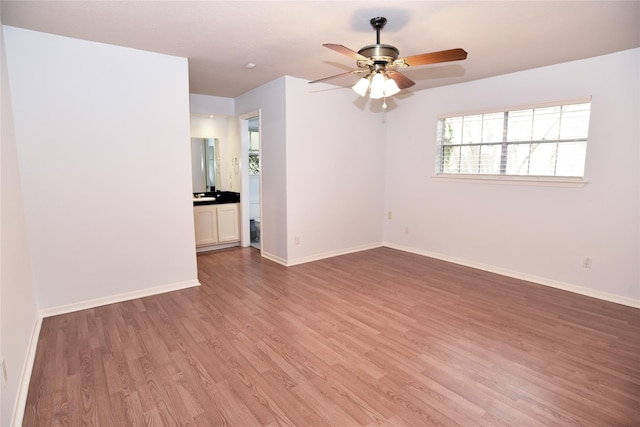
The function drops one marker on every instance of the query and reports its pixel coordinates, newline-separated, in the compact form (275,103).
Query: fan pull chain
(384,103)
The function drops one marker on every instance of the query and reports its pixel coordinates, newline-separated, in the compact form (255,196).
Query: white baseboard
(331,254)
(631,302)
(25,378)
(216,247)
(317,257)
(97,302)
(273,258)
(605,296)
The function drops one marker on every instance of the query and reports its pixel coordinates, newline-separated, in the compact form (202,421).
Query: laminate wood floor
(379,337)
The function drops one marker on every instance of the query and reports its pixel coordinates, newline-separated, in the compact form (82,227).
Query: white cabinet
(206,224)
(216,224)
(228,229)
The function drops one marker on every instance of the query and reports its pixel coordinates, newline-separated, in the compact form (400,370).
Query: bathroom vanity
(217,220)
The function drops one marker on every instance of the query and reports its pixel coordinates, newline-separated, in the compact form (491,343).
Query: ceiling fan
(379,62)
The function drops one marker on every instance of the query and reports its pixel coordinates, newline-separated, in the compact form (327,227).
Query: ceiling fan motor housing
(378,54)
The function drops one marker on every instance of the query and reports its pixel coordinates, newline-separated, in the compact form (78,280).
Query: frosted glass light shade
(377,86)
(361,87)
(390,87)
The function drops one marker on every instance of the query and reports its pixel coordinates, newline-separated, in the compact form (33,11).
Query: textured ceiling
(285,37)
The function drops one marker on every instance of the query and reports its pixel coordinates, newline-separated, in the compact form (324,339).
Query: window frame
(503,177)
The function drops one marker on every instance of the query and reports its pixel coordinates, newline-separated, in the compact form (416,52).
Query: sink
(204,199)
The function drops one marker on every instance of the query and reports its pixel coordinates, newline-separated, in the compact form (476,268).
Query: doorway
(251,180)
(254,181)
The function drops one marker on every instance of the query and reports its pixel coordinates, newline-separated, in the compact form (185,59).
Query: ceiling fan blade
(340,75)
(401,80)
(434,57)
(345,51)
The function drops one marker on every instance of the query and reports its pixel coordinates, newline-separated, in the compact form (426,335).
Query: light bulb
(361,87)
(390,87)
(377,86)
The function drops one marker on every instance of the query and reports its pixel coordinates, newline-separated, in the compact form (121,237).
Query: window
(540,141)
(254,152)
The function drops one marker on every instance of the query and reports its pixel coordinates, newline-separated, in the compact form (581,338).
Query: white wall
(103,144)
(206,104)
(322,170)
(270,100)
(335,171)
(18,310)
(535,232)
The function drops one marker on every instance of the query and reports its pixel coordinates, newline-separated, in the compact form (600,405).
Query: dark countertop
(222,197)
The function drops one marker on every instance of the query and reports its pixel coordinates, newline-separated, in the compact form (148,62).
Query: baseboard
(25,378)
(97,302)
(331,254)
(631,302)
(216,247)
(317,257)
(273,258)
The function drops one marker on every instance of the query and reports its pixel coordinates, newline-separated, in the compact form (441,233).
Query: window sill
(545,181)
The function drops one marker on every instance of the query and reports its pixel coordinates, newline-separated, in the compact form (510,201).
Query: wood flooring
(379,337)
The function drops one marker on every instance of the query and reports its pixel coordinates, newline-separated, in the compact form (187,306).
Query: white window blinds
(544,140)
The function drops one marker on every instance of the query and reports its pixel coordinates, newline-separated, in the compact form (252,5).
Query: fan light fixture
(379,63)
(378,84)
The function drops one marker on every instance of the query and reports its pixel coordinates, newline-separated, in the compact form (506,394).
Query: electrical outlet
(389,215)
(586,262)
(406,230)
(297,240)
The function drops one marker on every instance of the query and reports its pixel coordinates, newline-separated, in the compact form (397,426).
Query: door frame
(244,200)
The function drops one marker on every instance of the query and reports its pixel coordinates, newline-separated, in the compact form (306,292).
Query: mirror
(203,164)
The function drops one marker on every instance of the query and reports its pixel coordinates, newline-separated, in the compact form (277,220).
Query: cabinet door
(228,229)
(205,224)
